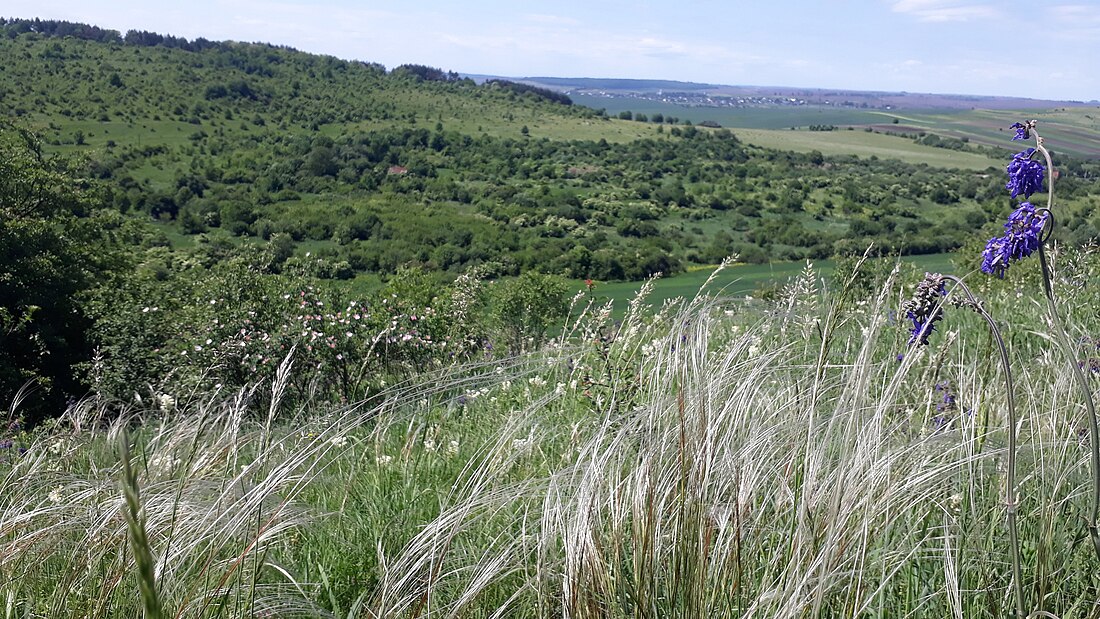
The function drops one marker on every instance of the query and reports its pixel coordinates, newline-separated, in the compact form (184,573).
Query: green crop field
(741,280)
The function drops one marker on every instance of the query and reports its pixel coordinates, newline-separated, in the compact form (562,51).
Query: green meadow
(865,144)
(747,280)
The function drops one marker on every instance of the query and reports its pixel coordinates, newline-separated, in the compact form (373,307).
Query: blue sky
(997,47)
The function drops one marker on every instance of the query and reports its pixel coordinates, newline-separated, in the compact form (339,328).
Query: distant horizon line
(818,89)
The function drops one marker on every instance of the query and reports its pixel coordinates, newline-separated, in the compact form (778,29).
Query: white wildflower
(339,441)
(522,446)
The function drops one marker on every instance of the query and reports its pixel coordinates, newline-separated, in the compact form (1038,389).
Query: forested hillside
(228,145)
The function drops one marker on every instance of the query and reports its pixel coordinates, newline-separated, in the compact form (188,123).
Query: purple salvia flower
(947,396)
(924,309)
(939,422)
(1092,364)
(1023,229)
(1022,238)
(1023,131)
(1025,176)
(995,256)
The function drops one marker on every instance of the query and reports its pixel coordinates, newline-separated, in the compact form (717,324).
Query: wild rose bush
(209,331)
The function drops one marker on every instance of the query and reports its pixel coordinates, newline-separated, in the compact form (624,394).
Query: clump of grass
(217,492)
(780,470)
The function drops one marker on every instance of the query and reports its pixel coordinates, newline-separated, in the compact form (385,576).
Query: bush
(525,308)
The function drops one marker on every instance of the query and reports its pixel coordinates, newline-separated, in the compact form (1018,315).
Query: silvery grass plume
(750,476)
(216,494)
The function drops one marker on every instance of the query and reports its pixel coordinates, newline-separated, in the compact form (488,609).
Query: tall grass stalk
(139,542)
(1011,504)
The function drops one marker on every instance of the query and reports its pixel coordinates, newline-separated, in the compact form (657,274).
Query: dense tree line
(11,27)
(523,89)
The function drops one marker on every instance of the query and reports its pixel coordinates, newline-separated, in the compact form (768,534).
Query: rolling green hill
(353,170)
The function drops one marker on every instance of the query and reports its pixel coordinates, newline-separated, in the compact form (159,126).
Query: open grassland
(719,458)
(866,144)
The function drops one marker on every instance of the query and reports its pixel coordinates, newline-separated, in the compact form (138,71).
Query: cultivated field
(1072,128)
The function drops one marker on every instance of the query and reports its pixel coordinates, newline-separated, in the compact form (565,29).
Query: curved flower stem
(1010,425)
(1062,338)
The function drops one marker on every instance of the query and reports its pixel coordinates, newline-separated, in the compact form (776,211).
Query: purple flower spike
(1023,230)
(1022,238)
(1024,175)
(1023,131)
(924,308)
(995,256)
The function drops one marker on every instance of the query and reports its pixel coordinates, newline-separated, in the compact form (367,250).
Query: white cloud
(945,10)
(1076,22)
(1075,13)
(541,18)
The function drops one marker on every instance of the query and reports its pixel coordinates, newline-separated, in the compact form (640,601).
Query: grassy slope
(719,461)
